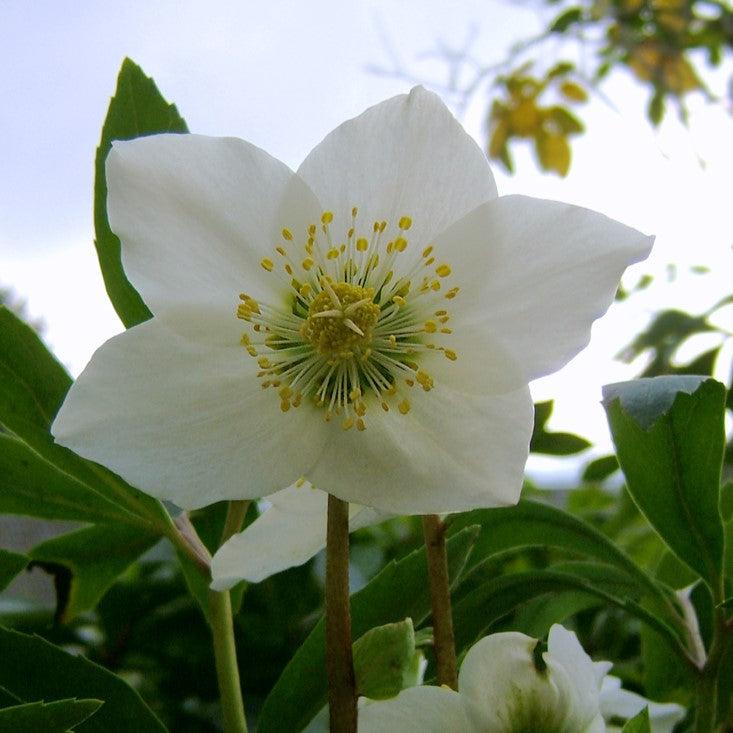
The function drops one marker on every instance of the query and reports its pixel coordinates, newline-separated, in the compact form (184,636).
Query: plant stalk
(225,654)
(444,642)
(339,659)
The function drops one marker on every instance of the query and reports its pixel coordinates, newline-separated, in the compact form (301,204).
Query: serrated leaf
(399,591)
(32,387)
(31,486)
(136,109)
(32,382)
(639,723)
(669,437)
(58,716)
(34,669)
(385,661)
(11,564)
(554,444)
(87,561)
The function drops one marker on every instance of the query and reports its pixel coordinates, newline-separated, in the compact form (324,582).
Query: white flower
(391,312)
(288,533)
(504,688)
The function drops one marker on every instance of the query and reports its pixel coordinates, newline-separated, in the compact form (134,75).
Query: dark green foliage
(136,109)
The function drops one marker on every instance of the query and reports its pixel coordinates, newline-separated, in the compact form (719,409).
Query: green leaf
(385,660)
(32,387)
(87,561)
(33,669)
(565,20)
(11,563)
(479,609)
(32,383)
(554,444)
(136,109)
(600,469)
(639,723)
(670,440)
(399,591)
(52,717)
(532,524)
(565,120)
(33,487)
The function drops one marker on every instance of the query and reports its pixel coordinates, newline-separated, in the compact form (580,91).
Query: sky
(282,75)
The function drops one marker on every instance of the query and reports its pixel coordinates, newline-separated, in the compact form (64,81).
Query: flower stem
(339,660)
(235,519)
(225,654)
(445,647)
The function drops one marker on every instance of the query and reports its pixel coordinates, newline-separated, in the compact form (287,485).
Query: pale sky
(281,75)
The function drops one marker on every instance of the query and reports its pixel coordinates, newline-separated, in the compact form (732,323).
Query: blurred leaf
(11,563)
(86,562)
(574,92)
(50,717)
(655,110)
(385,660)
(136,109)
(33,669)
(566,19)
(639,723)
(33,487)
(669,437)
(600,469)
(554,444)
(553,152)
(32,383)
(564,120)
(399,591)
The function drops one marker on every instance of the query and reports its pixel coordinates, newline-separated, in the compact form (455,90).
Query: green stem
(235,519)
(339,659)
(444,642)
(225,654)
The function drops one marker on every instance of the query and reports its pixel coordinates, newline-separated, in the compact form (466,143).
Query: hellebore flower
(369,323)
(507,686)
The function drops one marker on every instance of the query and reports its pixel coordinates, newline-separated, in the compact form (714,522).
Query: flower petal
(287,534)
(407,156)
(503,690)
(416,710)
(197,214)
(185,420)
(536,274)
(575,670)
(619,703)
(451,452)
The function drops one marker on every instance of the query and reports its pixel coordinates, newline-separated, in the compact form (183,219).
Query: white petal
(451,452)
(535,274)
(184,419)
(619,703)
(287,534)
(405,156)
(416,710)
(197,214)
(502,688)
(505,691)
(568,661)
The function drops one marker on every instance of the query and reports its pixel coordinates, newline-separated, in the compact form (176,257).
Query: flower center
(362,313)
(341,320)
